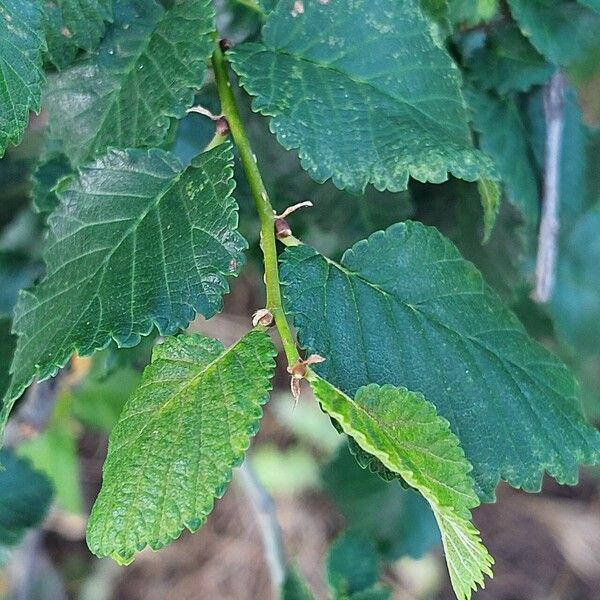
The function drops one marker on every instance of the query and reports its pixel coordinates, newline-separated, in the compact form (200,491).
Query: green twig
(261,200)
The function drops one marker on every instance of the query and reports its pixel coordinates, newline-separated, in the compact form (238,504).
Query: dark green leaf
(146,71)
(576,298)
(508,63)
(562,30)
(399,520)
(405,308)
(179,436)
(353,569)
(294,587)
(72,25)
(365,90)
(136,242)
(21,77)
(502,135)
(25,496)
(50,170)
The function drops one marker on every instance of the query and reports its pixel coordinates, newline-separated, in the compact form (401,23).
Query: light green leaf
(74,24)
(402,430)
(405,308)
(179,436)
(21,76)
(472,12)
(509,63)
(136,242)
(503,136)
(146,71)
(365,90)
(25,496)
(562,30)
(490,194)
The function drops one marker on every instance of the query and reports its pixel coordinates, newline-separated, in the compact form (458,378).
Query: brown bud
(225,44)
(282,229)
(222,126)
(262,317)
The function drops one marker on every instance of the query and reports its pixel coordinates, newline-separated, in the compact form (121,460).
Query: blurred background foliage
(546,546)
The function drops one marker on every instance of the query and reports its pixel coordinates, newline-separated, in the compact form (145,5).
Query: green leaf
(472,12)
(509,63)
(146,71)
(49,171)
(74,24)
(562,30)
(21,77)
(294,587)
(136,242)
(399,520)
(353,569)
(405,308)
(489,192)
(25,496)
(179,436)
(502,135)
(576,299)
(17,271)
(365,90)
(402,430)
(7,348)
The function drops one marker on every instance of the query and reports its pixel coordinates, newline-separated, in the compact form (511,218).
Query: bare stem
(545,270)
(266,518)
(261,201)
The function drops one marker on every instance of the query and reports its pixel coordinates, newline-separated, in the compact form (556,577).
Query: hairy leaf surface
(146,71)
(402,430)
(135,242)
(21,77)
(365,91)
(74,24)
(179,436)
(405,308)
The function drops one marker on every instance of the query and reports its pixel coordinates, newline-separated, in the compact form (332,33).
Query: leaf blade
(172,452)
(404,308)
(342,87)
(21,76)
(145,73)
(136,242)
(404,432)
